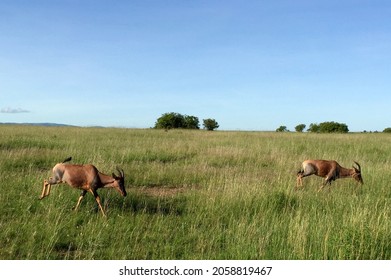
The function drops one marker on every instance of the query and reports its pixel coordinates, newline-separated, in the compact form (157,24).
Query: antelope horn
(358,165)
(121,172)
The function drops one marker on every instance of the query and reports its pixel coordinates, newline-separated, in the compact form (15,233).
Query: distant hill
(37,124)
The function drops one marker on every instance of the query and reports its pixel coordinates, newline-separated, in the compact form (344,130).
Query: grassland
(194,195)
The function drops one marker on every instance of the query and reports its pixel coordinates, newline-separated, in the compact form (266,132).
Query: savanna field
(194,195)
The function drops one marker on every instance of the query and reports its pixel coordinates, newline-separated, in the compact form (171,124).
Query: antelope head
(119,183)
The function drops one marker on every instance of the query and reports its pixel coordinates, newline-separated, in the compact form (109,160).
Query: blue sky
(251,65)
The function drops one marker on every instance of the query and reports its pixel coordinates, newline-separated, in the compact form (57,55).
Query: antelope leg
(45,189)
(83,193)
(97,198)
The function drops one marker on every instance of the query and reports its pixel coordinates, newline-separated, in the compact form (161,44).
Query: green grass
(194,195)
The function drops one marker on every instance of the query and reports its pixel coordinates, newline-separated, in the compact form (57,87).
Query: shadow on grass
(153,200)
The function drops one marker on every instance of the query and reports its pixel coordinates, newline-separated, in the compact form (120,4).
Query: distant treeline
(324,127)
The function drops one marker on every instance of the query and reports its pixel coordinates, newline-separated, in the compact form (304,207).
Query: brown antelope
(328,169)
(84,177)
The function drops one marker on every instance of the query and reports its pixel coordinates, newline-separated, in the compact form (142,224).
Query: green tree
(329,127)
(169,121)
(313,128)
(333,127)
(300,127)
(387,130)
(176,120)
(282,128)
(210,124)
(191,122)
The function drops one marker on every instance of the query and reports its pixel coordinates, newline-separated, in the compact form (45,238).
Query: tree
(333,127)
(176,120)
(191,122)
(313,128)
(210,124)
(300,127)
(282,128)
(328,127)
(169,121)
(387,130)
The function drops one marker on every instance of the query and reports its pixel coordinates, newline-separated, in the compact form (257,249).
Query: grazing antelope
(328,169)
(84,177)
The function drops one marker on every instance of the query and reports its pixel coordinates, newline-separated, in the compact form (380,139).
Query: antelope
(328,169)
(86,178)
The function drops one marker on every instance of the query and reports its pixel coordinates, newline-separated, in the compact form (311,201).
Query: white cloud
(10,110)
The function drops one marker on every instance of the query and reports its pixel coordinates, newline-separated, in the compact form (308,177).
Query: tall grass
(194,195)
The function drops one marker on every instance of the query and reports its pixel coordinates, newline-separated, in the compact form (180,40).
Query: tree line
(176,120)
(324,127)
